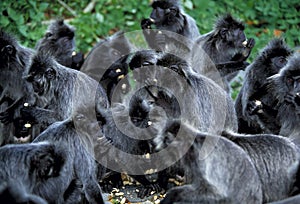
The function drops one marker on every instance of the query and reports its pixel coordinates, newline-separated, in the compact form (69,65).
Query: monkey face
(235,37)
(41,73)
(277,63)
(60,35)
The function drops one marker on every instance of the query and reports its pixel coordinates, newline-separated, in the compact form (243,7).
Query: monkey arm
(244,53)
(231,67)
(40,115)
(7,115)
(3,96)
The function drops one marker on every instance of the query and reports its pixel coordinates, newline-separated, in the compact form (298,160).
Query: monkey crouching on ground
(216,169)
(77,180)
(171,78)
(276,160)
(24,167)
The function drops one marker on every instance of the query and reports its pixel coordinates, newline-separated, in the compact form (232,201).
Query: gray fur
(276,160)
(24,168)
(215,178)
(75,141)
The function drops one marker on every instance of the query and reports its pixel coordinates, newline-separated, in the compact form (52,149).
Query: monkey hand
(146,191)
(28,113)
(77,60)
(290,98)
(6,116)
(297,99)
(250,43)
(247,50)
(102,145)
(146,23)
(255,107)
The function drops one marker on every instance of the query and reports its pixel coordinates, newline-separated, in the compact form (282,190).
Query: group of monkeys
(78,119)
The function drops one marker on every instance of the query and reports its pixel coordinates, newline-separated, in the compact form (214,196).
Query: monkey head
(275,55)
(60,35)
(288,79)
(41,73)
(167,14)
(231,31)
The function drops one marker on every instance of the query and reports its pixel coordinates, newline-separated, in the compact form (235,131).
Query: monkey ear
(46,162)
(223,33)
(8,50)
(50,73)
(48,35)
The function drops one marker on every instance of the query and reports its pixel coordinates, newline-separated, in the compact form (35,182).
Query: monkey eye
(48,35)
(223,33)
(282,60)
(47,172)
(79,117)
(116,53)
(146,63)
(290,80)
(174,68)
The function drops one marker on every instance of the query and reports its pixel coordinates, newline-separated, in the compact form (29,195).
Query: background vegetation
(96,19)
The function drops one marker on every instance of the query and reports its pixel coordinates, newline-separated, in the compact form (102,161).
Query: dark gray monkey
(252,115)
(107,63)
(181,92)
(168,15)
(59,41)
(15,91)
(216,169)
(122,139)
(26,166)
(60,90)
(276,160)
(77,180)
(225,48)
(285,89)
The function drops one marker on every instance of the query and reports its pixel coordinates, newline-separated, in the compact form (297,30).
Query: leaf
(188,4)
(23,30)
(4,22)
(12,14)
(99,17)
